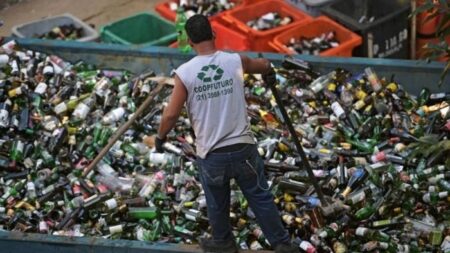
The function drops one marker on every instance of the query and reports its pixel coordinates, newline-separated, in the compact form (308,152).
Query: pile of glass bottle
(269,21)
(204,7)
(313,45)
(63,32)
(379,150)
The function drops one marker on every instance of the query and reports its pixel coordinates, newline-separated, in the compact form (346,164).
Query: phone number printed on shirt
(214,94)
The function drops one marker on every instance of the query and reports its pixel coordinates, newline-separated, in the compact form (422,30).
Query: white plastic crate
(39,27)
(312,7)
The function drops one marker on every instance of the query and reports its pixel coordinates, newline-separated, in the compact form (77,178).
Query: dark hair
(199,29)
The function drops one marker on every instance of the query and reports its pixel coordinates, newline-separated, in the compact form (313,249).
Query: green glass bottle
(330,231)
(372,234)
(444,184)
(365,212)
(155,233)
(16,153)
(180,22)
(434,197)
(48,159)
(143,212)
(183,231)
(104,136)
(424,96)
(14,191)
(363,146)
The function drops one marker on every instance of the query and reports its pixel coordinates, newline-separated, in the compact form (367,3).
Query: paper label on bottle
(102,188)
(177,179)
(114,115)
(4,118)
(383,245)
(43,227)
(14,67)
(337,109)
(173,148)
(81,111)
(158,158)
(9,47)
(359,105)
(380,156)
(361,231)
(288,219)
(30,186)
(435,179)
(257,232)
(190,217)
(111,204)
(147,189)
(443,195)
(201,203)
(105,169)
(255,245)
(358,197)
(60,108)
(145,88)
(20,146)
(4,59)
(118,113)
(115,229)
(18,90)
(432,96)
(48,70)
(41,88)
(49,188)
(243,245)
(306,246)
(426,198)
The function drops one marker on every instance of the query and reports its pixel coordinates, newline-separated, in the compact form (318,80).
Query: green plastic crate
(144,29)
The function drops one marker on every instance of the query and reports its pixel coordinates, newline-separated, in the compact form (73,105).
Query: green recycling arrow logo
(209,73)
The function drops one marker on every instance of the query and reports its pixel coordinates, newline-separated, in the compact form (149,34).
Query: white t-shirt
(216,102)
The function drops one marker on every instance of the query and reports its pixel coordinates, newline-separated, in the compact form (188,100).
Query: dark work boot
(286,248)
(209,245)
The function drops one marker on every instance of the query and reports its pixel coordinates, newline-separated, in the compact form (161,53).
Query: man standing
(212,86)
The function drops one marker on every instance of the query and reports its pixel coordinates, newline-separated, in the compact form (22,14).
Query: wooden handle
(124,127)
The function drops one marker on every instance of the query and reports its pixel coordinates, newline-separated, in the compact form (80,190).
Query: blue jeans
(246,167)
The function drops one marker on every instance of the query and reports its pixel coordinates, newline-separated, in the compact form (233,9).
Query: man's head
(199,29)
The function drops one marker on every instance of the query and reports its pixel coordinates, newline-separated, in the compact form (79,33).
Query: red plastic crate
(164,10)
(421,52)
(238,18)
(426,25)
(227,39)
(312,28)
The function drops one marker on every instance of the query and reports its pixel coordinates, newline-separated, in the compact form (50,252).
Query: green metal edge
(18,242)
(412,74)
(25,242)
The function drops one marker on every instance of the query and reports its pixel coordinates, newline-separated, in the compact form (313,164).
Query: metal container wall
(413,75)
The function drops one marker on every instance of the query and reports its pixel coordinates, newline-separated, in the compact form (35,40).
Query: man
(212,86)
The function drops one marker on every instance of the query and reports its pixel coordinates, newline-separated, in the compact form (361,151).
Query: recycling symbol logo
(209,73)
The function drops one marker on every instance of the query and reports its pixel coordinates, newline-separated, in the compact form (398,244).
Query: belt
(230,148)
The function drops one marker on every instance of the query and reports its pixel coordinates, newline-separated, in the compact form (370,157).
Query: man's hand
(159,144)
(270,77)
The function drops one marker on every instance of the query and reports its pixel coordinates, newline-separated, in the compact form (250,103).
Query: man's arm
(173,109)
(254,66)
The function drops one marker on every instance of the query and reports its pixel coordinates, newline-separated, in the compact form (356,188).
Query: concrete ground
(96,12)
